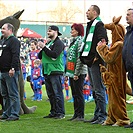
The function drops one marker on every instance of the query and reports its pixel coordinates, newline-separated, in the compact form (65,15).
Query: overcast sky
(109,8)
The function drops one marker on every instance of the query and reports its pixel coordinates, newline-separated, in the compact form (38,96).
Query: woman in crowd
(76,71)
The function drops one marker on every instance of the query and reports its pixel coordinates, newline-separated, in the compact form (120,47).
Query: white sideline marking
(42,116)
(130,111)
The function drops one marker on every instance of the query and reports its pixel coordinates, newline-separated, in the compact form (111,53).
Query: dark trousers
(98,90)
(55,94)
(130,78)
(77,94)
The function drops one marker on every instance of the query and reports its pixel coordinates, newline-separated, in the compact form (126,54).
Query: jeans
(98,90)
(77,94)
(55,94)
(10,94)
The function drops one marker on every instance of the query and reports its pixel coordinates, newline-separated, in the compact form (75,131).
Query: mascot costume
(14,20)
(114,75)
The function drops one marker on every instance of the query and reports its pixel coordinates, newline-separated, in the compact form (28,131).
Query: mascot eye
(10,17)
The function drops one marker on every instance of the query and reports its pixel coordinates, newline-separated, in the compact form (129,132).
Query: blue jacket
(127,52)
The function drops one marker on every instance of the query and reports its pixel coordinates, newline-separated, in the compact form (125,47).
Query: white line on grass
(91,114)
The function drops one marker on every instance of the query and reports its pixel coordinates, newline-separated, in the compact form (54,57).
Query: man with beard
(53,69)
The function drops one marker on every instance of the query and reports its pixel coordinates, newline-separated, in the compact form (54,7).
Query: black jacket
(53,51)
(10,54)
(99,34)
(127,52)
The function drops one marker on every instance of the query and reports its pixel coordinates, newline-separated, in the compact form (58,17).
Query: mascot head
(118,30)
(14,20)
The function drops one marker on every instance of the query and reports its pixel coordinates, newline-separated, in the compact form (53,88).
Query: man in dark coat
(95,32)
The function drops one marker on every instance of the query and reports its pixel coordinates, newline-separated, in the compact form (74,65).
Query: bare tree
(7,9)
(63,13)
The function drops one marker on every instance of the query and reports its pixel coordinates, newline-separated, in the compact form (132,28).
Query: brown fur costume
(114,76)
(14,20)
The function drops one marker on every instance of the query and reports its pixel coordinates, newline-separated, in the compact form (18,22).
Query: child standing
(36,80)
(33,54)
(86,90)
(66,86)
(23,67)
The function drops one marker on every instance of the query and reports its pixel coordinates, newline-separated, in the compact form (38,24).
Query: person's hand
(103,41)
(11,72)
(87,77)
(41,44)
(99,43)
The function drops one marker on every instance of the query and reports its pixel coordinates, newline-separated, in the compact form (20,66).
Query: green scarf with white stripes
(88,41)
(72,57)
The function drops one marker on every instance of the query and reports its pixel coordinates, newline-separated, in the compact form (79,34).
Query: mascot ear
(117,20)
(18,14)
(113,19)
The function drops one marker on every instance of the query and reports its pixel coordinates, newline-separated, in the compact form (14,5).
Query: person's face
(32,46)
(74,32)
(129,17)
(36,65)
(86,86)
(90,14)
(22,61)
(51,33)
(5,31)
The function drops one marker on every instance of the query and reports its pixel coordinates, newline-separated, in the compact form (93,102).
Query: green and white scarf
(88,41)
(72,58)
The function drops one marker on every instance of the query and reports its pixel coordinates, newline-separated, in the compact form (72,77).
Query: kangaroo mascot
(114,75)
(14,20)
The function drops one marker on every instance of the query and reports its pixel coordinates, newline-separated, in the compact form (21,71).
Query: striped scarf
(72,58)
(86,46)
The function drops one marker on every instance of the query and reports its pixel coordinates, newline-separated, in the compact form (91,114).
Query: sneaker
(70,101)
(86,100)
(98,121)
(74,117)
(129,126)
(33,99)
(67,97)
(3,118)
(78,119)
(39,100)
(91,120)
(12,119)
(62,116)
(49,116)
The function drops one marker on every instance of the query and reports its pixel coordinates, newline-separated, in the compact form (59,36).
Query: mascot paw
(21,112)
(32,109)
